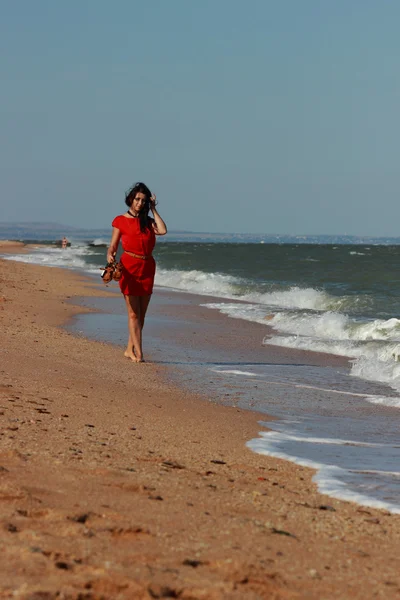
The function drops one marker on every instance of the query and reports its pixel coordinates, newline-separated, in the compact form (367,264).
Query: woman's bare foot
(130,354)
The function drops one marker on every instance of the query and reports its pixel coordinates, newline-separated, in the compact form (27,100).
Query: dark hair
(130,195)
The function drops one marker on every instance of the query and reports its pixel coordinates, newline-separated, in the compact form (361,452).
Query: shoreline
(210,354)
(16,247)
(136,489)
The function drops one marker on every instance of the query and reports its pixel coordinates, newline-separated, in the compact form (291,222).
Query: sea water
(337,299)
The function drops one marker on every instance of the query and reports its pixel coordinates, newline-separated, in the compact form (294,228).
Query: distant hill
(36,227)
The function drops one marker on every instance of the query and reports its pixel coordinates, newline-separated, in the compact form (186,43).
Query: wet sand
(11,246)
(114,485)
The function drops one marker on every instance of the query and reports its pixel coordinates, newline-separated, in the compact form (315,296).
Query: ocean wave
(50,260)
(373,346)
(75,257)
(218,284)
(222,285)
(98,242)
(373,361)
(295,297)
(335,326)
(321,327)
(379,364)
(199,282)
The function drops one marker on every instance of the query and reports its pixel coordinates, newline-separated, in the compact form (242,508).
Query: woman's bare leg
(134,349)
(137,308)
(144,303)
(129,352)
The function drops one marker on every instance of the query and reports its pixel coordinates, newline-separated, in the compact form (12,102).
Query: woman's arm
(159,225)
(113,247)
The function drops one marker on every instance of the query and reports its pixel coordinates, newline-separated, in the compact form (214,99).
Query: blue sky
(243,116)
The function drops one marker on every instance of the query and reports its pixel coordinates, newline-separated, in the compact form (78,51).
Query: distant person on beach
(137,232)
(64,242)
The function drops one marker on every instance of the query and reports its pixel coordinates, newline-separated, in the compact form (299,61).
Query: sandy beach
(114,485)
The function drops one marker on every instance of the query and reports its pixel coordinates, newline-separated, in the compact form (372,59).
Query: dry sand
(113,485)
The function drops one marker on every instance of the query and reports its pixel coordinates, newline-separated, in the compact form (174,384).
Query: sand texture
(114,485)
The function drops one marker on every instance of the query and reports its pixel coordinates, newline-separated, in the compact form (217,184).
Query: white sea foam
(378,366)
(373,346)
(234,372)
(280,436)
(334,326)
(221,285)
(321,327)
(329,483)
(284,382)
(295,297)
(330,479)
(99,242)
(384,401)
(373,360)
(198,282)
(376,472)
(50,256)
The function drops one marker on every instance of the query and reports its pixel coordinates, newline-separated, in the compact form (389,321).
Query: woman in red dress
(137,232)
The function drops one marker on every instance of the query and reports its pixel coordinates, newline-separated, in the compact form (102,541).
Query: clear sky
(267,116)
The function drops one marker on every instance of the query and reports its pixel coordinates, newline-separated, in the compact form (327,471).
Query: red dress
(137,273)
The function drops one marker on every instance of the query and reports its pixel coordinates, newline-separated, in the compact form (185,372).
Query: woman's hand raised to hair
(153,201)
